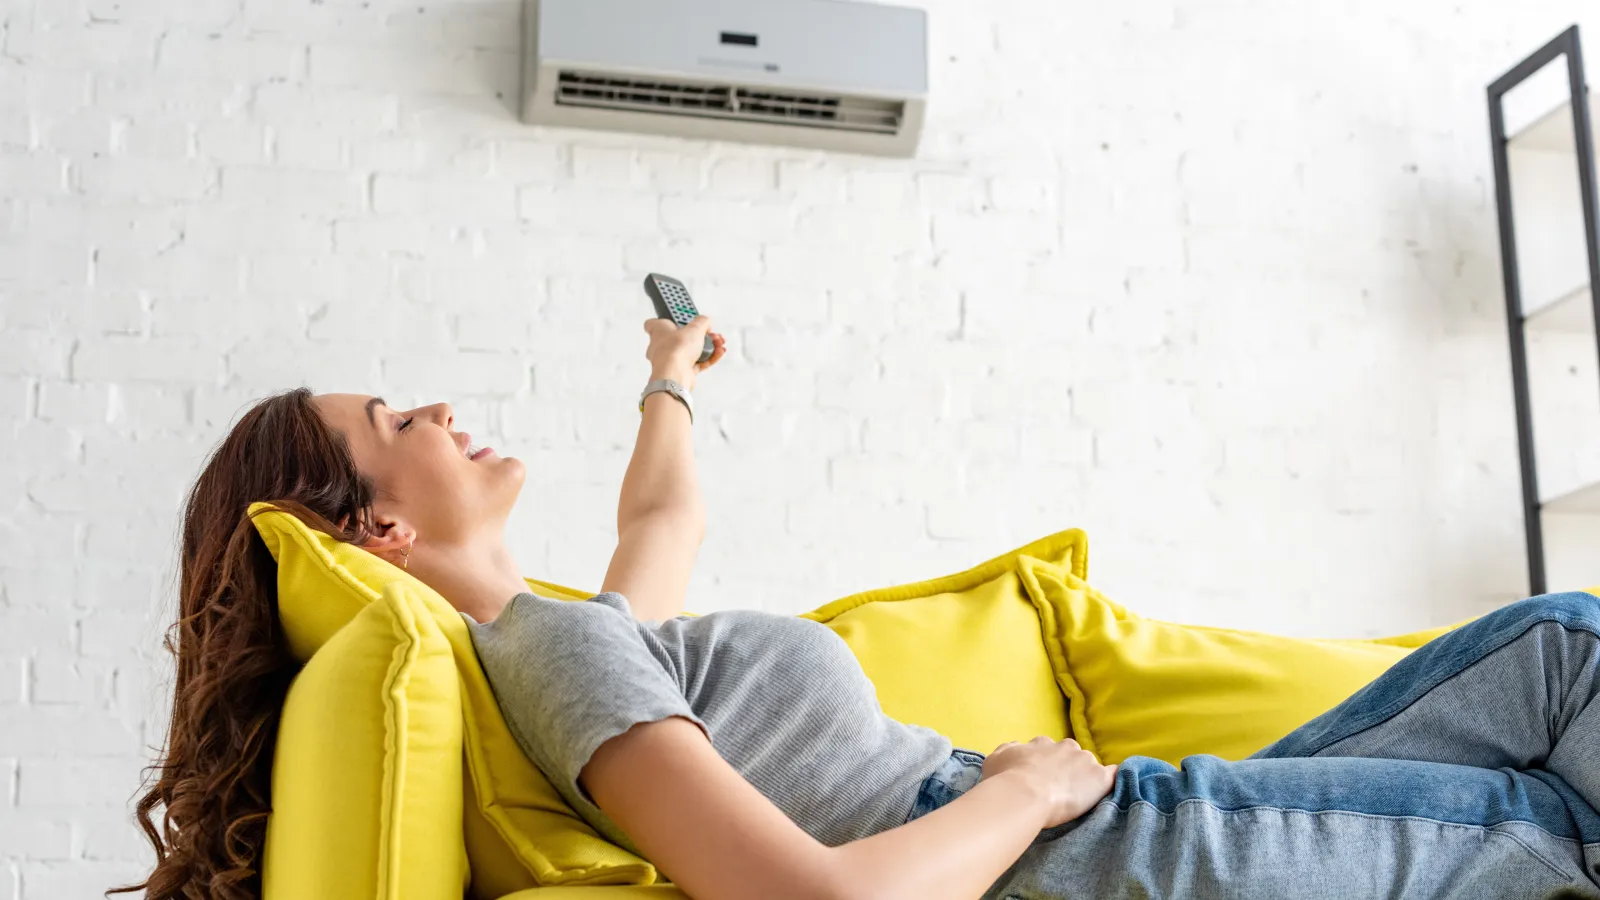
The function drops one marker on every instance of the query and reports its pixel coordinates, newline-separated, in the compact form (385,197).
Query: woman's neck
(478,578)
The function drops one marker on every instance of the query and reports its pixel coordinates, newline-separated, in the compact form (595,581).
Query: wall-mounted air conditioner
(831,74)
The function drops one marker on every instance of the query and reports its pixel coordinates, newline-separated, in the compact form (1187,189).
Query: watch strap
(671,387)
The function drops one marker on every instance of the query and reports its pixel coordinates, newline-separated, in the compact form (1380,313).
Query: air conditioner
(831,74)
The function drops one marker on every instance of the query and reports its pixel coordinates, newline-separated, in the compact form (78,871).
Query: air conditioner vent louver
(728,101)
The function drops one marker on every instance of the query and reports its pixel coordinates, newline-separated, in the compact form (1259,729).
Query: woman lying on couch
(744,752)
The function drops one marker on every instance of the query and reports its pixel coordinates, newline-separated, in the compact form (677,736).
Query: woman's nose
(436,412)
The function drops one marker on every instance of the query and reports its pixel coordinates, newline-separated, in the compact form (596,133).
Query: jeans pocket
(955,776)
(921,806)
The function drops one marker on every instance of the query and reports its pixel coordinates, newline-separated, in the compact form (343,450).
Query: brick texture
(1217,282)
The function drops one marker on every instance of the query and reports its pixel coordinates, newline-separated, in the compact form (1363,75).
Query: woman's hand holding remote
(1068,776)
(672,351)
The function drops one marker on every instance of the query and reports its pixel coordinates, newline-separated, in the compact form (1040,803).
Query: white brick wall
(1217,282)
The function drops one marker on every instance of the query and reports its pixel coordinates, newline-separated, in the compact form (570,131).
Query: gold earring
(406,558)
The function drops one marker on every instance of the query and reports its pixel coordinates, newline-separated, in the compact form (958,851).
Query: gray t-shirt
(783,698)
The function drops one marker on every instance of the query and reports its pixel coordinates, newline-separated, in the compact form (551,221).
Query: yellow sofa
(395,775)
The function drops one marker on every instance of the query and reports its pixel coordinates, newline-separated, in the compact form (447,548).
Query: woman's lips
(481,453)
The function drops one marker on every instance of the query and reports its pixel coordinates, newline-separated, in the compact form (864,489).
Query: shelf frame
(1565,44)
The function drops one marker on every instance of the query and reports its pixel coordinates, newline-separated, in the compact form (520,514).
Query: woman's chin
(499,489)
(510,470)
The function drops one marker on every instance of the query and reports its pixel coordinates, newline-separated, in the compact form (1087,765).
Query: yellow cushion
(1143,687)
(963,654)
(618,892)
(519,833)
(366,781)
(323,582)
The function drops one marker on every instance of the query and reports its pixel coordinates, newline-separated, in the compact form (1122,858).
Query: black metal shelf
(1565,312)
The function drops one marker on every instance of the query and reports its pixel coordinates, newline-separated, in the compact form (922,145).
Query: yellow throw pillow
(963,654)
(519,832)
(323,582)
(366,780)
(1143,687)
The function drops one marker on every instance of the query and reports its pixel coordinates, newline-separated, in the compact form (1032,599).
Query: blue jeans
(1471,768)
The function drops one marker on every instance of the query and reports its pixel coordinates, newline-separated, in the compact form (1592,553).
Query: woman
(745,754)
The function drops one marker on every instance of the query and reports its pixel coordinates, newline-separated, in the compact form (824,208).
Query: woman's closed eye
(406,424)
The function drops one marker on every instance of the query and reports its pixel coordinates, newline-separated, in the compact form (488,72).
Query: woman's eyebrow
(370,404)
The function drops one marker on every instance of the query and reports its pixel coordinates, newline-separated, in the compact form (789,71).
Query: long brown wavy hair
(233,664)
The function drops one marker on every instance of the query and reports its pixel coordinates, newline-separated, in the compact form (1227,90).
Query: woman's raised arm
(660,515)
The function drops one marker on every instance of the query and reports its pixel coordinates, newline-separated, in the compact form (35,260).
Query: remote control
(673,302)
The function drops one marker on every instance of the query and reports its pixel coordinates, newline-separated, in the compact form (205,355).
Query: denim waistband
(964,768)
(955,776)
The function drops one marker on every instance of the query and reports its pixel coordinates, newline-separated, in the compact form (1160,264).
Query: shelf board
(1585,499)
(1552,132)
(1571,312)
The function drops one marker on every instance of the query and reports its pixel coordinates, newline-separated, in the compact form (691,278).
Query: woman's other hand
(673,350)
(1068,776)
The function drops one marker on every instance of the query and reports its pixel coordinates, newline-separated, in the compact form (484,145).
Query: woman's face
(419,465)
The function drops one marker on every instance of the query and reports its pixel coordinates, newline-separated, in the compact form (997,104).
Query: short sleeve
(568,676)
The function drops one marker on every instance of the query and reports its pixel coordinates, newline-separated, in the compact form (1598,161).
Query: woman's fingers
(662,333)
(720,347)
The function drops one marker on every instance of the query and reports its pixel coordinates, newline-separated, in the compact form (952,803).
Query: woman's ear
(390,536)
